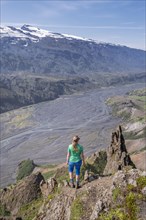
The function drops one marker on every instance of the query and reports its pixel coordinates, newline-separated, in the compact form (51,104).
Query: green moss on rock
(25,168)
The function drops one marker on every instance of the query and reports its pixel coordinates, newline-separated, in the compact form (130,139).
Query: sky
(112,21)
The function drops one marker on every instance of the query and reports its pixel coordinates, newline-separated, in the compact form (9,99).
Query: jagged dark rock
(117,155)
(22,193)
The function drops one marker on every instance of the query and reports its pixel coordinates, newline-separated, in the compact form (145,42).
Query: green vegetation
(118,109)
(63,177)
(131,188)
(97,167)
(4,211)
(116,193)
(30,210)
(53,194)
(25,169)
(126,202)
(133,135)
(140,93)
(76,209)
(124,114)
(141,182)
(131,206)
(61,174)
(117,214)
(48,166)
(141,119)
(48,175)
(122,106)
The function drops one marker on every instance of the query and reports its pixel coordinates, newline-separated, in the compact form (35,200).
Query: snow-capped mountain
(32,50)
(34,33)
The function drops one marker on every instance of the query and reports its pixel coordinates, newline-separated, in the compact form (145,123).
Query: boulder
(22,193)
(144,191)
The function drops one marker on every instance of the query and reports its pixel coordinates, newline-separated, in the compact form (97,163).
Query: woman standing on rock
(75,157)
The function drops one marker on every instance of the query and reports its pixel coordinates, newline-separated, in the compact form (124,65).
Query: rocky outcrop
(117,155)
(57,208)
(22,193)
(96,162)
(92,200)
(48,187)
(96,198)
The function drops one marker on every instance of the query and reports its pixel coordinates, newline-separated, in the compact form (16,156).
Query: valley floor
(42,132)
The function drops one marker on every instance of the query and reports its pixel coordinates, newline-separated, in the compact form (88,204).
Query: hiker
(75,157)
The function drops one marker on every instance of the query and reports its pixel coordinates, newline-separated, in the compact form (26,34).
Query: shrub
(25,168)
(141,182)
(30,210)
(4,211)
(130,206)
(116,193)
(117,214)
(49,174)
(97,167)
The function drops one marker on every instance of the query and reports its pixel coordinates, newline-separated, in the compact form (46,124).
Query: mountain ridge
(31,50)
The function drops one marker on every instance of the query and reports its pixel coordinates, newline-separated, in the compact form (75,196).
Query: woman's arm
(67,158)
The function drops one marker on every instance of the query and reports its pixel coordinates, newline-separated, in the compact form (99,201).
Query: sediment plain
(43,131)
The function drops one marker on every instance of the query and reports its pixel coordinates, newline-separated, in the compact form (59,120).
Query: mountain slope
(18,91)
(32,50)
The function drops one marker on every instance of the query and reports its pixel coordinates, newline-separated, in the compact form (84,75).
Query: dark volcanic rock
(24,192)
(117,155)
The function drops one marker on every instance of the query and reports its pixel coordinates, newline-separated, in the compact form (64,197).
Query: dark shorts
(77,165)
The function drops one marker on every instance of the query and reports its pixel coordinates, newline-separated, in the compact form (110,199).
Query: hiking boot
(78,186)
(72,185)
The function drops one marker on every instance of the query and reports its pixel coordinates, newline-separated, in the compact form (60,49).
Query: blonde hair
(74,143)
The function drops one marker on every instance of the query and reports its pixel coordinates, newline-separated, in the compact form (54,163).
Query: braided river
(43,131)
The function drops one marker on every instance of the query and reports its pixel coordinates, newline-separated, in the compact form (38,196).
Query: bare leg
(71,179)
(77,178)
(71,175)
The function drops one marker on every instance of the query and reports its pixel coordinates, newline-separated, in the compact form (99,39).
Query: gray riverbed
(47,128)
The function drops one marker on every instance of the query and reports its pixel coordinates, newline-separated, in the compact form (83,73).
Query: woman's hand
(67,158)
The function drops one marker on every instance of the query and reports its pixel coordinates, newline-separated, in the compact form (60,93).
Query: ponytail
(75,142)
(74,146)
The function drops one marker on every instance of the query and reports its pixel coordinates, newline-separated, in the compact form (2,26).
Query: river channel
(42,132)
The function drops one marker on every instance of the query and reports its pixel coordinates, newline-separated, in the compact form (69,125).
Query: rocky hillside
(18,91)
(119,194)
(132,110)
(32,50)
(21,91)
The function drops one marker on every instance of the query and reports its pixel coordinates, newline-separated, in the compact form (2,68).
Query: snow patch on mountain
(33,33)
